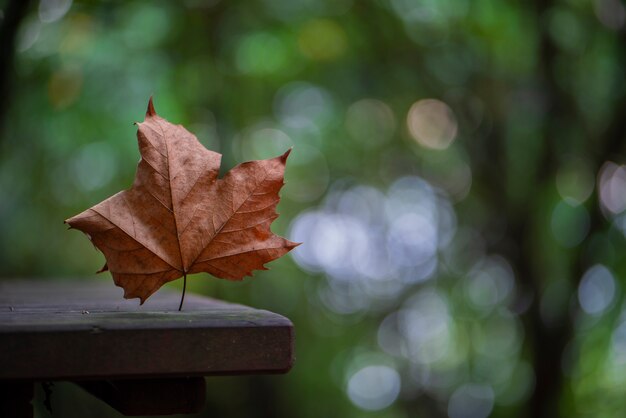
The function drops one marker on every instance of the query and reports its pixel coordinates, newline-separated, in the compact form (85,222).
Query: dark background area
(456,178)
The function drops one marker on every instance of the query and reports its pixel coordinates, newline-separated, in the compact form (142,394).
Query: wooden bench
(142,360)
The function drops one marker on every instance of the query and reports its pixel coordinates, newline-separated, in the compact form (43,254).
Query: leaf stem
(182,299)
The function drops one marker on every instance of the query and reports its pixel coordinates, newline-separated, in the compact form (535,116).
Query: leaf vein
(239,253)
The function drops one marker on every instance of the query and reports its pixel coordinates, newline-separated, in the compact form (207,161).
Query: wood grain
(83,329)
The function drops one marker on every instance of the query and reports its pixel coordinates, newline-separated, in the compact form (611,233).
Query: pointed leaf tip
(286,154)
(150,111)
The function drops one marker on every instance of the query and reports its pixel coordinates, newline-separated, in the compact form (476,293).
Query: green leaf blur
(456,179)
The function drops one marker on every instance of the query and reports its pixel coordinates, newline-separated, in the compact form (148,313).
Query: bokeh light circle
(597,289)
(374,387)
(471,401)
(432,124)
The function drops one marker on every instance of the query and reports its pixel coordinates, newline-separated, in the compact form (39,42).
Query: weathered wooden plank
(84,329)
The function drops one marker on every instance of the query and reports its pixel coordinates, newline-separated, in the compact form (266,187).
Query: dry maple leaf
(178,218)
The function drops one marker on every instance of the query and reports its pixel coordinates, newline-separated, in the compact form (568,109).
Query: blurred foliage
(456,179)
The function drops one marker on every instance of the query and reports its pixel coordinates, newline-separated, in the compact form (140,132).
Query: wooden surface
(84,329)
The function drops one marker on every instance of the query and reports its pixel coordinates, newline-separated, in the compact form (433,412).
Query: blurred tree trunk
(14,12)
(549,342)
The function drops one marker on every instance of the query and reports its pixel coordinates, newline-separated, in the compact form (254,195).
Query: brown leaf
(178,218)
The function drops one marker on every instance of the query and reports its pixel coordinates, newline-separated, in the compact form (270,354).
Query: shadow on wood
(143,360)
(16,398)
(150,396)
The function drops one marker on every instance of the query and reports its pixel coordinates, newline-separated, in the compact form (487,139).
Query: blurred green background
(456,179)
